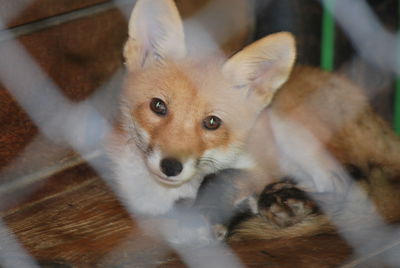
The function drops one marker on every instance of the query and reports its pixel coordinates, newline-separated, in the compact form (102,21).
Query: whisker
(213,163)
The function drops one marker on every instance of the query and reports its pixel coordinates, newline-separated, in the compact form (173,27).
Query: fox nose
(171,167)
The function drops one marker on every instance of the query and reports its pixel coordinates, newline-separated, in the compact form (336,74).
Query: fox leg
(225,205)
(283,203)
(217,200)
(280,205)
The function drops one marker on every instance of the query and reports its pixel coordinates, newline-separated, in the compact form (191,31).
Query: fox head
(191,116)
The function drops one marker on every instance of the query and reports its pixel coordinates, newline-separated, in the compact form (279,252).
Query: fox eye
(158,106)
(212,122)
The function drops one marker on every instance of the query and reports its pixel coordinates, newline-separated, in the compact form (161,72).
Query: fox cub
(185,116)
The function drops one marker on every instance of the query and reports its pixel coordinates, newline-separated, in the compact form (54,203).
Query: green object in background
(328,47)
(397,92)
(328,36)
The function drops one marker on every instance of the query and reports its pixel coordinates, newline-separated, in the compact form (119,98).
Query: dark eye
(158,106)
(212,122)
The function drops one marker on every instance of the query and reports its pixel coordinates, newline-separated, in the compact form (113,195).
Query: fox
(168,124)
(253,117)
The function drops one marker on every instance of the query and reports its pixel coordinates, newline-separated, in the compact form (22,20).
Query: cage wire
(84,129)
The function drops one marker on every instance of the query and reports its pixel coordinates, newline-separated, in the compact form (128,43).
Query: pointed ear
(155,33)
(263,66)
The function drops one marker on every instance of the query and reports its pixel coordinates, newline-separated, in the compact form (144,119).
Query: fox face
(184,122)
(191,116)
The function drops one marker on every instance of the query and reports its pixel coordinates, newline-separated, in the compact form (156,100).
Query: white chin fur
(141,191)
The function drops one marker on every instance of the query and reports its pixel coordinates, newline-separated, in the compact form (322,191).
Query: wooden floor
(69,217)
(72,219)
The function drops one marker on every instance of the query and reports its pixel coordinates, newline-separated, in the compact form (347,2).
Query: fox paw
(283,204)
(220,232)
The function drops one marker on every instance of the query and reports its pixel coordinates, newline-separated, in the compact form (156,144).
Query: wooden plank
(46,187)
(75,219)
(313,252)
(79,56)
(25,11)
(305,252)
(16,131)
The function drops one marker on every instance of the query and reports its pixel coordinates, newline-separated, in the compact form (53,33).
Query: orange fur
(177,148)
(326,118)
(180,134)
(337,113)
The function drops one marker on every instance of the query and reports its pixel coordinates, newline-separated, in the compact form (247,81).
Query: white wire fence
(84,128)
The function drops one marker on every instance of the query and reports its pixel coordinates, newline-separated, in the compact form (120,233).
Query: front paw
(283,204)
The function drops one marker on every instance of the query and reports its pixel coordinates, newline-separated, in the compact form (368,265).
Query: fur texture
(307,128)
(162,155)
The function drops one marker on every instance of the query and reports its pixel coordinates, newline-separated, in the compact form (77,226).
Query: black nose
(171,167)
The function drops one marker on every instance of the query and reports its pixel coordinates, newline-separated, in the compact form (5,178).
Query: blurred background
(305,20)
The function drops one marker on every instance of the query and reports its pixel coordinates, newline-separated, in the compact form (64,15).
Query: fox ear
(155,33)
(263,66)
